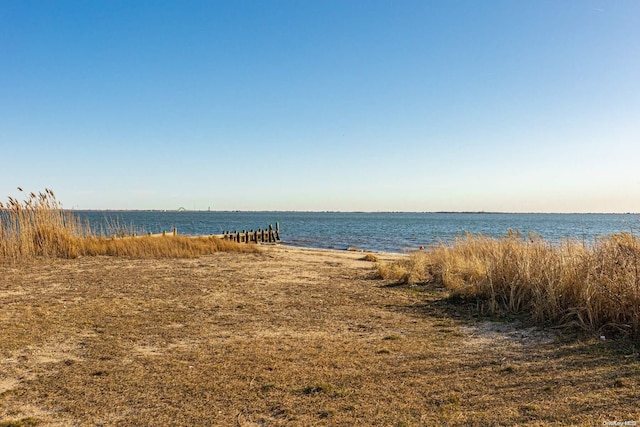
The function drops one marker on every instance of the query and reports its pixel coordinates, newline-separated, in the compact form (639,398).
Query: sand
(288,336)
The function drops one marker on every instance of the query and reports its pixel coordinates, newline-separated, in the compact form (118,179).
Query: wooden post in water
(253,236)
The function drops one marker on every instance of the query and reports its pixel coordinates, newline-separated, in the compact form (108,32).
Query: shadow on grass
(436,303)
(545,374)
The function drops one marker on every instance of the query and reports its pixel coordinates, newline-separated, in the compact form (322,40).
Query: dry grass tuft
(408,270)
(38,227)
(594,287)
(370,258)
(161,247)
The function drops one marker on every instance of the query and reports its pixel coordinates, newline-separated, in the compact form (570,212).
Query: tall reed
(38,227)
(593,286)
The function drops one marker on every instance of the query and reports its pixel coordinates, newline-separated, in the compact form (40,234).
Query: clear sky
(519,106)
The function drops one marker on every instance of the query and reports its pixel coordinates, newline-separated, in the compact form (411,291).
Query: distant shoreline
(353,212)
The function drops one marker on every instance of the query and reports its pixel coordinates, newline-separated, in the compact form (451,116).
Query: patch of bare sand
(285,337)
(487,333)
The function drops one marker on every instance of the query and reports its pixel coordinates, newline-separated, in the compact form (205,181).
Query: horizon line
(180,210)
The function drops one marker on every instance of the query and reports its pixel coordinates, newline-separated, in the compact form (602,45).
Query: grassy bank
(38,226)
(595,287)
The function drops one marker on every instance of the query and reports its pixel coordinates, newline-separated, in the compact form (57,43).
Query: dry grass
(285,337)
(161,246)
(595,287)
(39,227)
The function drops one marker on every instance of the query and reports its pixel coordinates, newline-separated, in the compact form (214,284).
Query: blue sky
(519,106)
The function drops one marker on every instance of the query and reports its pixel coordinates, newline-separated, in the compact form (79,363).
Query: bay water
(376,231)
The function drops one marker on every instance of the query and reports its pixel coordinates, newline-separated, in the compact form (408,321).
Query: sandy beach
(287,336)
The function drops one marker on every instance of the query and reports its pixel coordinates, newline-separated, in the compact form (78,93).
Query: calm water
(390,232)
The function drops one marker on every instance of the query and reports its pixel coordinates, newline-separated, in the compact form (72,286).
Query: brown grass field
(284,336)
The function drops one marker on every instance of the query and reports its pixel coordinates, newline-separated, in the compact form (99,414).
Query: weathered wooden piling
(268,235)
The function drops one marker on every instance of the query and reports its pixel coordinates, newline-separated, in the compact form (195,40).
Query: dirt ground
(288,336)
